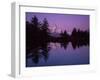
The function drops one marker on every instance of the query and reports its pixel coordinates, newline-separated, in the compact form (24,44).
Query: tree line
(38,33)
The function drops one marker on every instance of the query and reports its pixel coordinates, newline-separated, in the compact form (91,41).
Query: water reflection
(38,54)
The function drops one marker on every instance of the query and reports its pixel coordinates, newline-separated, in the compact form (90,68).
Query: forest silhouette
(38,37)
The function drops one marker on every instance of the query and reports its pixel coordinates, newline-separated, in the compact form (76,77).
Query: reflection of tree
(38,37)
(38,51)
(64,44)
(44,50)
(35,55)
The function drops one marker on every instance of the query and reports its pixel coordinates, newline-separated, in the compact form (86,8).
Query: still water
(53,54)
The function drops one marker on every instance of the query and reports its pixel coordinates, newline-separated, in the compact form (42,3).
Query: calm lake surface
(53,54)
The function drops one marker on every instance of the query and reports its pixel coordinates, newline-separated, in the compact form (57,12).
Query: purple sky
(62,21)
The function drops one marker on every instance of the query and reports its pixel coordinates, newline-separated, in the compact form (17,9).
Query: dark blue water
(54,54)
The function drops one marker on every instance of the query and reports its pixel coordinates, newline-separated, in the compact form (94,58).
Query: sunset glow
(62,21)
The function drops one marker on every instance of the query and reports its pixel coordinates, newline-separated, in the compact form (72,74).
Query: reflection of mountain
(55,34)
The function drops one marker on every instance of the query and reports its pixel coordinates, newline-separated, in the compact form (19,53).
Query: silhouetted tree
(45,30)
(64,36)
(34,21)
(74,32)
(45,25)
(79,38)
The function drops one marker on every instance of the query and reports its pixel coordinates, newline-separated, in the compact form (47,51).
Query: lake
(52,54)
